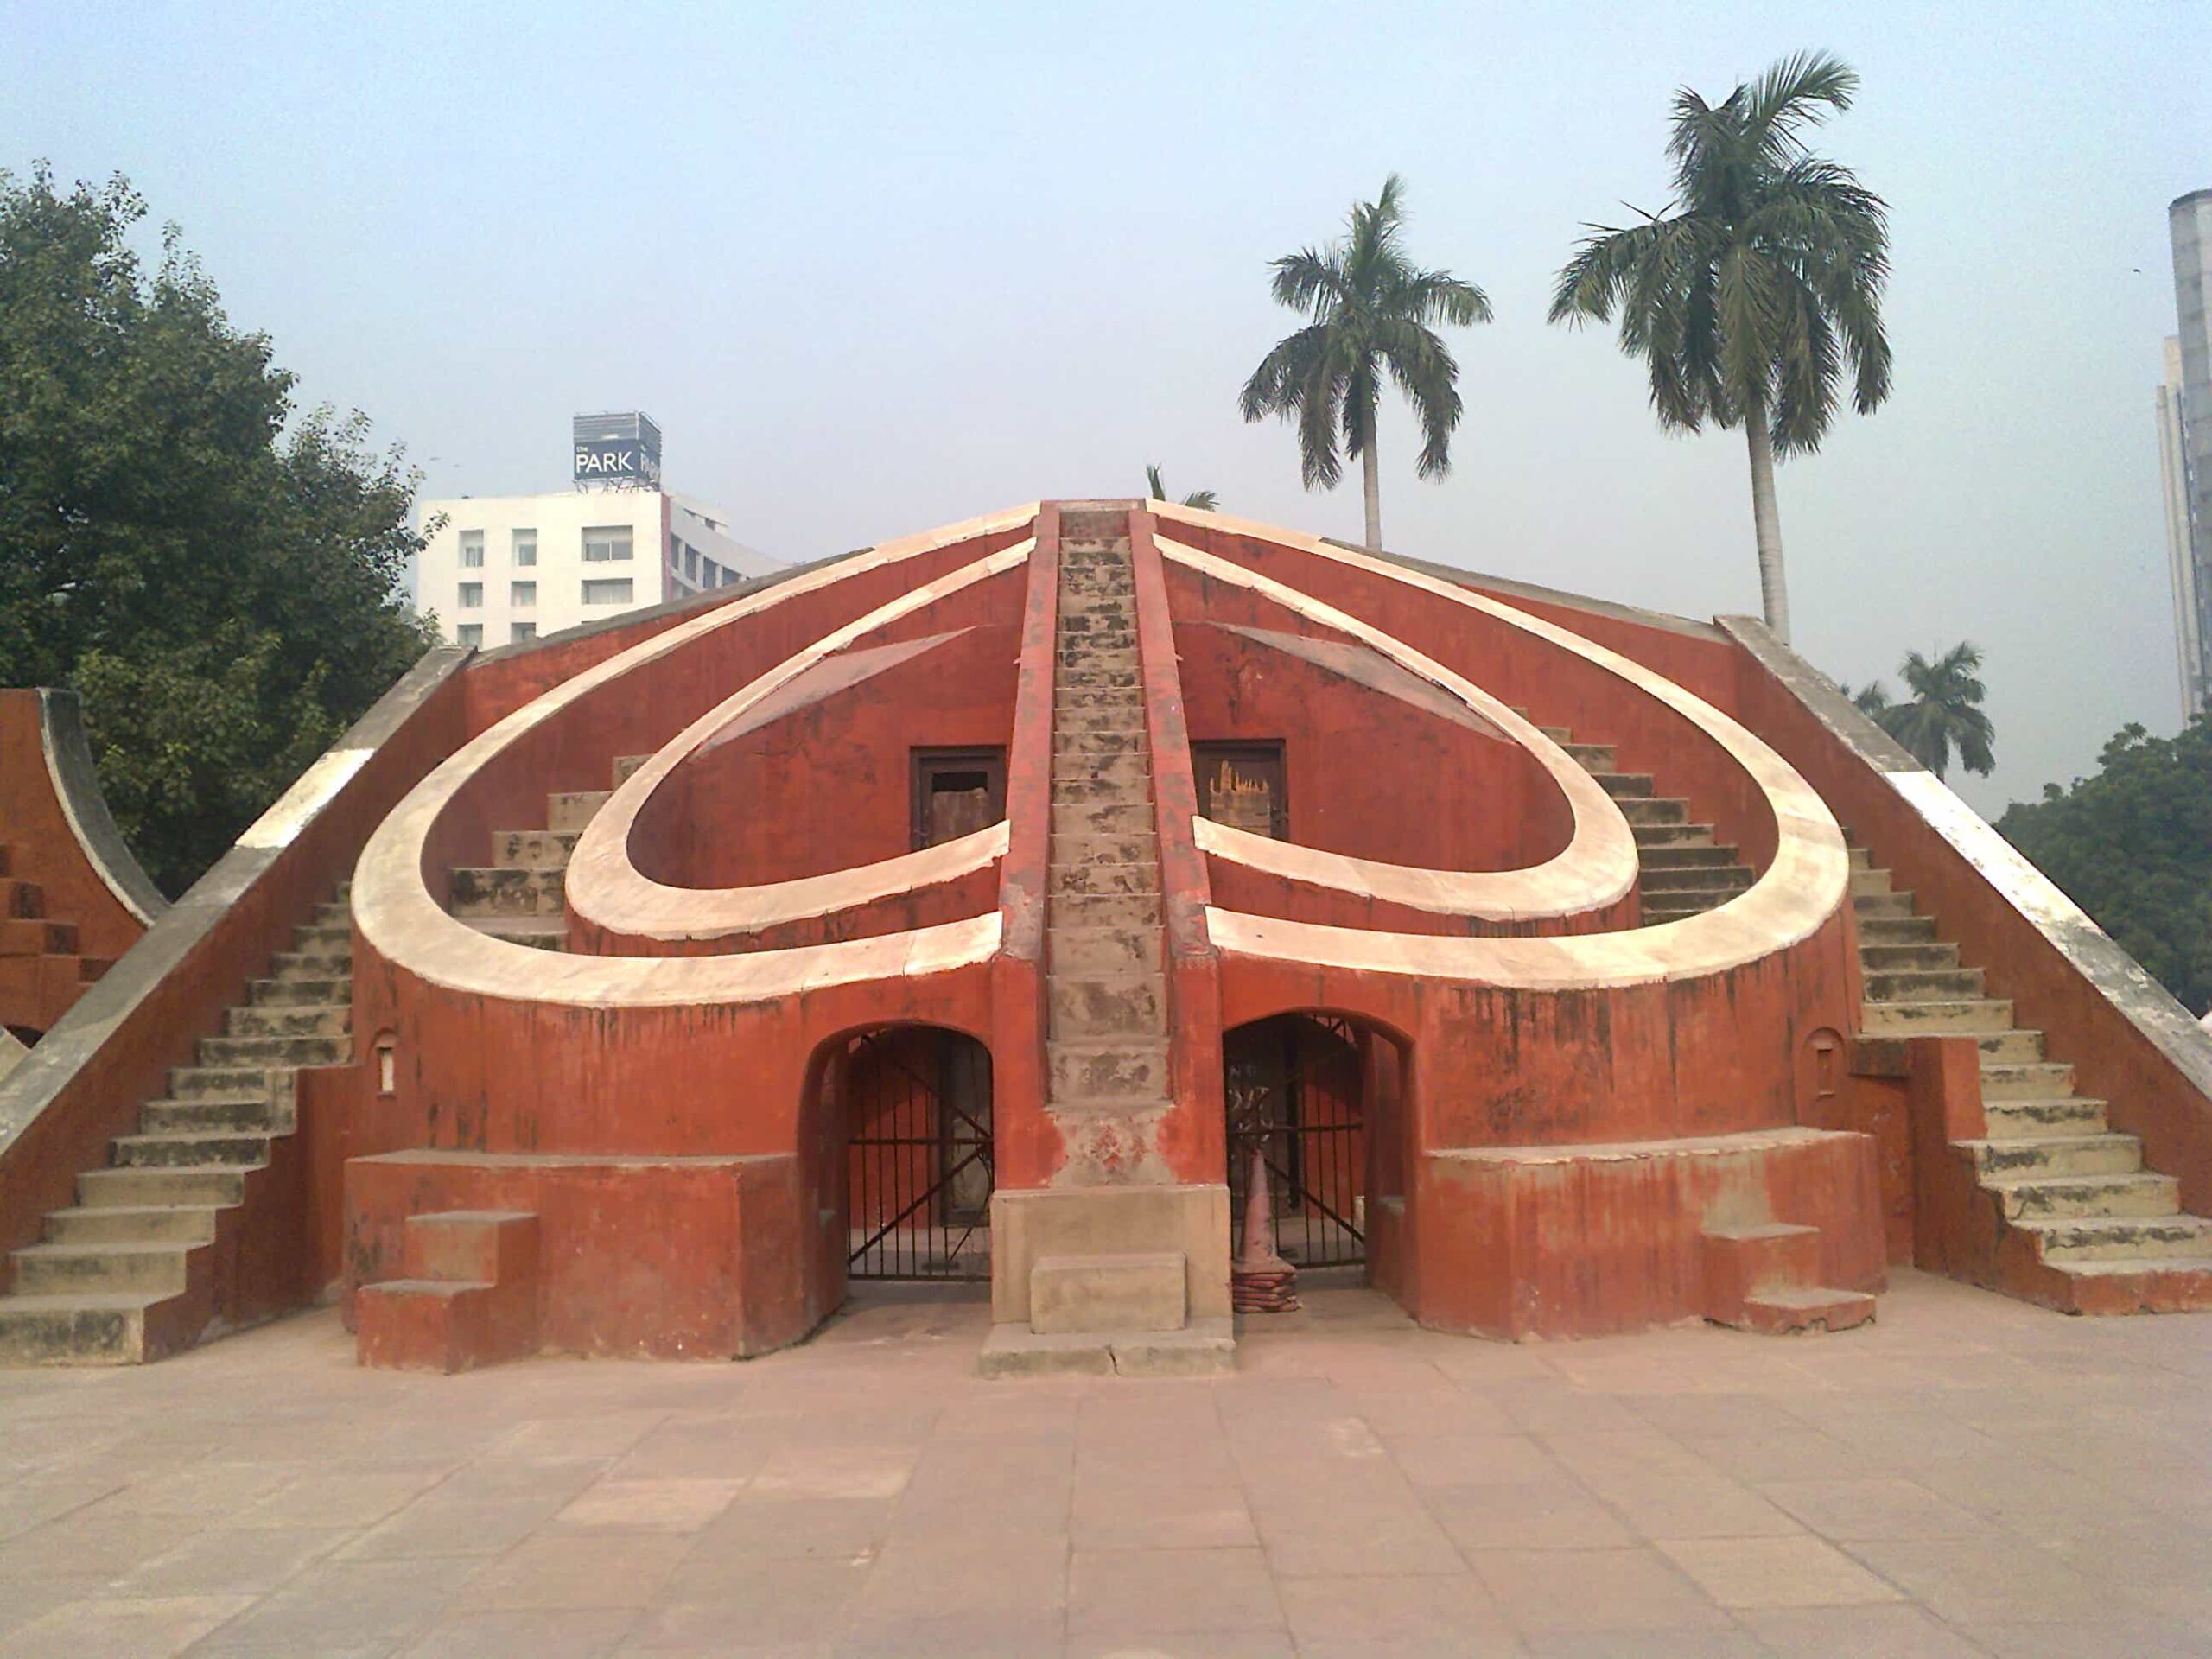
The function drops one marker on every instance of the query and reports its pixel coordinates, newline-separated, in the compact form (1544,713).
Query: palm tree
(1944,711)
(1373,312)
(1747,295)
(1204,500)
(1871,699)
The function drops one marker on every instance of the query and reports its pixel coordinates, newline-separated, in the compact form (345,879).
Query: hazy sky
(876,268)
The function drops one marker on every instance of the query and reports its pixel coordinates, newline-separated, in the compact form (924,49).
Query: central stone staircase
(130,1272)
(521,895)
(2114,1232)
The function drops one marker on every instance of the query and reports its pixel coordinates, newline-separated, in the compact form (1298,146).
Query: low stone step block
(1625,785)
(1656,811)
(154,1187)
(321,964)
(297,1021)
(330,991)
(1796,1312)
(171,1224)
(468,1296)
(1924,985)
(1102,819)
(1894,930)
(1674,856)
(1106,1005)
(1738,1263)
(1876,956)
(1864,884)
(1107,1294)
(85,1329)
(1697,878)
(2014,1156)
(2121,1238)
(1651,835)
(219,1082)
(1203,1348)
(1977,1016)
(1092,910)
(2062,1197)
(1107,1070)
(1077,792)
(104,1266)
(626,766)
(533,849)
(209,1117)
(1102,949)
(1882,904)
(1100,878)
(2068,1115)
(273,1054)
(223,1148)
(2027,1080)
(507,891)
(569,810)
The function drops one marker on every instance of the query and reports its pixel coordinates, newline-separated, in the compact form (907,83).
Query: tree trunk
(1766,523)
(1372,477)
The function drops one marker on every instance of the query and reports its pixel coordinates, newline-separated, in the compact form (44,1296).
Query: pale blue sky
(874,268)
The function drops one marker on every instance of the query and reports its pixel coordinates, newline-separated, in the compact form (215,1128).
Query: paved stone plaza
(1969,1475)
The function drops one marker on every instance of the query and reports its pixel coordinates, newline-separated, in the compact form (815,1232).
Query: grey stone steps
(1966,1016)
(1075,791)
(1126,739)
(626,766)
(538,932)
(1882,904)
(1925,985)
(311,964)
(1867,883)
(1657,914)
(325,939)
(202,1117)
(1102,879)
(168,1223)
(1082,1070)
(1862,858)
(1654,810)
(1591,757)
(2010,1047)
(504,890)
(1652,836)
(336,913)
(297,1020)
(2196,1267)
(533,849)
(273,1051)
(1103,949)
(223,1082)
(1680,856)
(2065,1115)
(2026,1079)
(333,991)
(1099,718)
(1103,910)
(2013,1156)
(569,811)
(68,1270)
(146,1188)
(1884,958)
(201,1149)
(1087,1005)
(1625,785)
(1894,930)
(2135,1239)
(2062,1196)
(1101,677)
(86,1328)
(1697,878)
(1140,848)
(1103,817)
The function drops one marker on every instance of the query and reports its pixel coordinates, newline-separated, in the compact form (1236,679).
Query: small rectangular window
(608,593)
(472,550)
(526,547)
(522,594)
(690,561)
(608,543)
(711,573)
(471,595)
(470,633)
(520,631)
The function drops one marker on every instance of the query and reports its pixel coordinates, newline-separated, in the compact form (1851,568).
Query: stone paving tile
(131,1628)
(1871,1632)
(1138,1592)
(599,1570)
(614,1505)
(1595,1590)
(1882,1507)
(567,1634)
(1339,1619)
(353,1608)
(1124,1515)
(1801,1572)
(232,1560)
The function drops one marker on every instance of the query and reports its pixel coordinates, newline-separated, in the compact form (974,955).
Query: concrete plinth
(1030,1224)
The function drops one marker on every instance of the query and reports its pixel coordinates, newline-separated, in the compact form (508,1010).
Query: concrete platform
(1967,1476)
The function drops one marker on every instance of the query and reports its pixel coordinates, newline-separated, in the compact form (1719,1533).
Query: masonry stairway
(43,951)
(1682,869)
(1108,1033)
(2057,1170)
(521,896)
(125,1275)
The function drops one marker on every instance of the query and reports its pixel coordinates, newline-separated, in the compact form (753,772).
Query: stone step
(1862,858)
(296,1020)
(330,991)
(2052,1198)
(1125,697)
(1109,950)
(1097,717)
(1591,757)
(1082,791)
(1089,740)
(1865,883)
(1881,904)
(1894,930)
(321,939)
(2164,1284)
(152,1187)
(336,913)
(1697,878)
(1106,1005)
(1100,676)
(2122,1238)
(1097,655)
(1139,848)
(1883,958)
(2022,1156)
(208,1150)
(195,1116)
(1791,1311)
(533,849)
(166,1223)
(507,891)
(218,1083)
(1967,1016)
(1655,811)
(273,1051)
(1088,1070)
(1103,817)
(1682,855)
(2009,1046)
(1099,623)
(1120,909)
(312,964)
(626,766)
(1651,836)
(68,1270)
(1676,907)
(2027,1080)
(86,1328)
(569,811)
(2066,1115)
(1924,985)
(1099,879)
(537,932)
(1625,785)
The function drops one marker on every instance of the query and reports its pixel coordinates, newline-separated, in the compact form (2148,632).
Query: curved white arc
(1595,868)
(607,889)
(396,915)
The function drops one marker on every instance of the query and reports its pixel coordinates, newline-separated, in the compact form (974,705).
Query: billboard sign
(615,461)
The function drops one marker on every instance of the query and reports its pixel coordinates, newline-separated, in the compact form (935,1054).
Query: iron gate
(918,1104)
(1294,1095)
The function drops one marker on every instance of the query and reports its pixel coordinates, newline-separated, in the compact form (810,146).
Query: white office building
(501,568)
(2185,448)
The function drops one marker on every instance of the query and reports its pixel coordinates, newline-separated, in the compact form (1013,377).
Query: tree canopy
(1942,714)
(2133,846)
(217,575)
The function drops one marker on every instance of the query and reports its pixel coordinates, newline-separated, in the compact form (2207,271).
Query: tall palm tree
(1750,293)
(1943,711)
(1374,313)
(1204,500)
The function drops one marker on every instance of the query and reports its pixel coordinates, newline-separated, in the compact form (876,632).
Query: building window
(691,561)
(713,573)
(526,547)
(522,594)
(471,595)
(608,543)
(472,550)
(608,593)
(470,633)
(519,631)
(728,579)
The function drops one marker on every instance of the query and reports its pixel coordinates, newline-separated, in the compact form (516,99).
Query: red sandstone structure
(978,905)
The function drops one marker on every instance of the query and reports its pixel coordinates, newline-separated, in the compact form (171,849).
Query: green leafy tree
(1944,713)
(2133,846)
(1752,293)
(1204,500)
(218,579)
(1374,315)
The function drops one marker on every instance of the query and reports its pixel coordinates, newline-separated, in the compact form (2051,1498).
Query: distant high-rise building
(2185,448)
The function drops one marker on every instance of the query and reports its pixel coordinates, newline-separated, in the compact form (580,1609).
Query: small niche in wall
(387,1064)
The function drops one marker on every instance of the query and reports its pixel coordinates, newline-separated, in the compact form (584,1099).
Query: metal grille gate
(919,1155)
(1294,1094)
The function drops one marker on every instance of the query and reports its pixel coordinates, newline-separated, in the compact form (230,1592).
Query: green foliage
(1943,714)
(2133,846)
(1748,294)
(1204,500)
(1373,312)
(222,592)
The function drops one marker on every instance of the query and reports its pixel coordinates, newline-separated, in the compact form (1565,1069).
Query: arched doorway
(917,1155)
(1296,1096)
